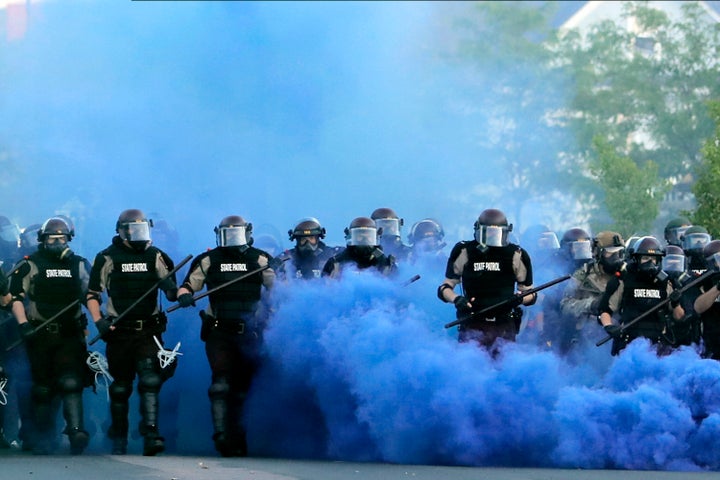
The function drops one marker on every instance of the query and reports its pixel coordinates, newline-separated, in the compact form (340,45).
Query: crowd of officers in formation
(559,292)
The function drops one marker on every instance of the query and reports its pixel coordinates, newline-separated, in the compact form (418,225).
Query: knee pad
(149,382)
(220,388)
(70,384)
(120,391)
(42,394)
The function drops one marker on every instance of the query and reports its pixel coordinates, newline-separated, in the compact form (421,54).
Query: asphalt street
(15,465)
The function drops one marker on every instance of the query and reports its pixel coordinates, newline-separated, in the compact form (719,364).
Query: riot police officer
(489,268)
(707,303)
(426,239)
(581,298)
(641,287)
(42,286)
(389,226)
(308,256)
(232,324)
(127,270)
(362,251)
(675,229)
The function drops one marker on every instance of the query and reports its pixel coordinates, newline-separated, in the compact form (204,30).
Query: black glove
(103,326)
(675,298)
(26,330)
(186,300)
(516,301)
(461,304)
(613,330)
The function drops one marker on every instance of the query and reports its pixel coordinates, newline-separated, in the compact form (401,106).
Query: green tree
(707,186)
(631,193)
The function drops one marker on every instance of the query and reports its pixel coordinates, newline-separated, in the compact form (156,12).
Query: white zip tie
(3,393)
(166,357)
(98,364)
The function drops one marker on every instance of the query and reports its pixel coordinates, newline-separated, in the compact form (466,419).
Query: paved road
(105,467)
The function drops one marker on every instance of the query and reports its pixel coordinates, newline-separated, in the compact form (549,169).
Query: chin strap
(166,357)
(99,365)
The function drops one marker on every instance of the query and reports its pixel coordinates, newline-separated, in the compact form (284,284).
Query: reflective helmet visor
(390,226)
(673,263)
(581,250)
(491,235)
(10,233)
(362,237)
(695,241)
(713,261)
(548,241)
(138,231)
(232,236)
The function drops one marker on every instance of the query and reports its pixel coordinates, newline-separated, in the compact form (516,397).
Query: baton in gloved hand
(43,324)
(142,297)
(507,301)
(275,263)
(656,307)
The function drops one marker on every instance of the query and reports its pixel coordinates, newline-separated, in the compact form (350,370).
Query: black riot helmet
(307,234)
(647,255)
(492,228)
(387,221)
(307,227)
(70,223)
(577,244)
(712,255)
(134,228)
(362,232)
(675,229)
(54,236)
(233,231)
(427,235)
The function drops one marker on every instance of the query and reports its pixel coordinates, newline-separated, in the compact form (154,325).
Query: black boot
(153,443)
(119,428)
(75,429)
(44,435)
(219,411)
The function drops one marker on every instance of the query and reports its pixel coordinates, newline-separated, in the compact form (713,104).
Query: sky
(277,111)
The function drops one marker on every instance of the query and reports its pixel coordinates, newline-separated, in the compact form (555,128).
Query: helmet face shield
(713,261)
(491,235)
(581,250)
(10,233)
(362,237)
(390,226)
(232,236)
(673,263)
(695,241)
(548,241)
(137,231)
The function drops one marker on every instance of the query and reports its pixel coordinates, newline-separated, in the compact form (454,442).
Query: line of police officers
(610,284)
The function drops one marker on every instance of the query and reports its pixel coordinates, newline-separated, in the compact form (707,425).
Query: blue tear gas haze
(282,110)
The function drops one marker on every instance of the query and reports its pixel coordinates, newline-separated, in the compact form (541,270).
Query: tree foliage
(707,186)
(631,193)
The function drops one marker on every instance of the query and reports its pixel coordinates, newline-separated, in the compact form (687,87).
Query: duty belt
(56,328)
(137,325)
(230,326)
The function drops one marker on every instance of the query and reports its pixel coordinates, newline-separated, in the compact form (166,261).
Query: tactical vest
(133,274)
(640,295)
(488,276)
(309,266)
(237,301)
(56,285)
(378,259)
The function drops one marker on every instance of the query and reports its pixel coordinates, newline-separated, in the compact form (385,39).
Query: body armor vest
(238,300)
(640,295)
(311,265)
(56,285)
(133,274)
(488,276)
